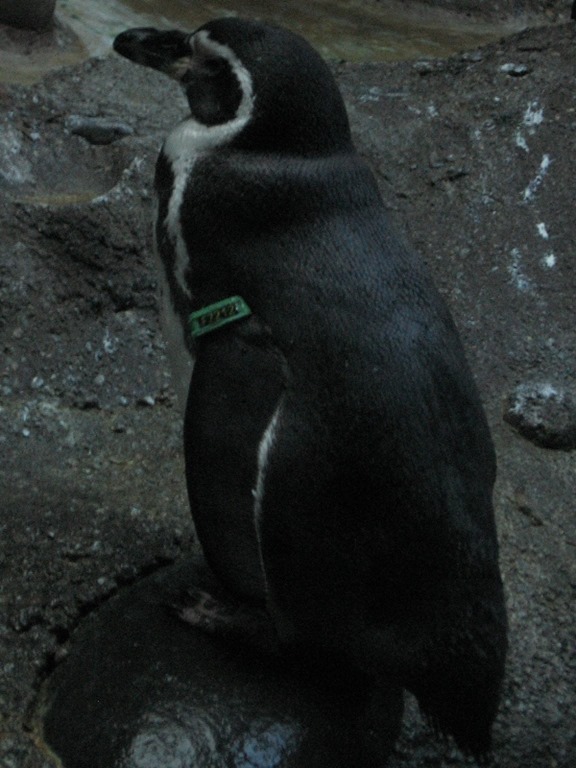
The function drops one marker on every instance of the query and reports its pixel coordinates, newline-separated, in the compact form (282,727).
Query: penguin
(339,463)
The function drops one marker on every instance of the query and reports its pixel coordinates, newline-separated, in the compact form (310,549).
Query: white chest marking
(189,141)
(264,448)
(180,360)
(183,146)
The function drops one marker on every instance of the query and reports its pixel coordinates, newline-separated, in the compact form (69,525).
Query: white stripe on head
(191,139)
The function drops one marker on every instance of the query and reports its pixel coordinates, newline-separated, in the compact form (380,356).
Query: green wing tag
(216,315)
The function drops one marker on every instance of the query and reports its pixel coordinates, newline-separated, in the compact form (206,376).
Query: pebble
(423,67)
(543,413)
(473,56)
(97,130)
(515,70)
(27,618)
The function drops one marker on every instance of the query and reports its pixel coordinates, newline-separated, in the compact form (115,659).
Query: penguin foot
(208,613)
(236,621)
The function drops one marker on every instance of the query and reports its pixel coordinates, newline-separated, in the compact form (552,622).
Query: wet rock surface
(199,701)
(475,160)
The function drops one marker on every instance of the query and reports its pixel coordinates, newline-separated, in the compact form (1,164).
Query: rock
(515,70)
(503,8)
(423,67)
(139,687)
(544,414)
(98,130)
(27,14)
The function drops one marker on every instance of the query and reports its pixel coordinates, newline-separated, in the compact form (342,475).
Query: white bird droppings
(521,142)
(516,272)
(533,116)
(536,182)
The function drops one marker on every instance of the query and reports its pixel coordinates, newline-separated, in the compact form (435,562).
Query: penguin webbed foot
(230,620)
(204,611)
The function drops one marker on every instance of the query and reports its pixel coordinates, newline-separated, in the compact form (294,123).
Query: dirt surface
(550,9)
(475,157)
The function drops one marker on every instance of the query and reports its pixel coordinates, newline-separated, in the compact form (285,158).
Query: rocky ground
(538,9)
(475,157)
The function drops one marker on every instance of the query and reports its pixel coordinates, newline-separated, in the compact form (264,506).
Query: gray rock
(515,70)
(543,413)
(27,14)
(98,130)
(141,689)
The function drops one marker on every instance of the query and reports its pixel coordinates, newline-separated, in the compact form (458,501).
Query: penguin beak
(167,51)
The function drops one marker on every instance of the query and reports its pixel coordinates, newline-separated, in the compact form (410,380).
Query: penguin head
(270,79)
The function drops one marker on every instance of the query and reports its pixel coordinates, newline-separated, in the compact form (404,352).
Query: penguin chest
(185,145)
(174,330)
(173,266)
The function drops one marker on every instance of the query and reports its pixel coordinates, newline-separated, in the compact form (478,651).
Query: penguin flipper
(238,379)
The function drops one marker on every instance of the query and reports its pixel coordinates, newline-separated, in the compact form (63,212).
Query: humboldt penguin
(339,463)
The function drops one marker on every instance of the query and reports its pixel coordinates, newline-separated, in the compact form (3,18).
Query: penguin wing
(237,382)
